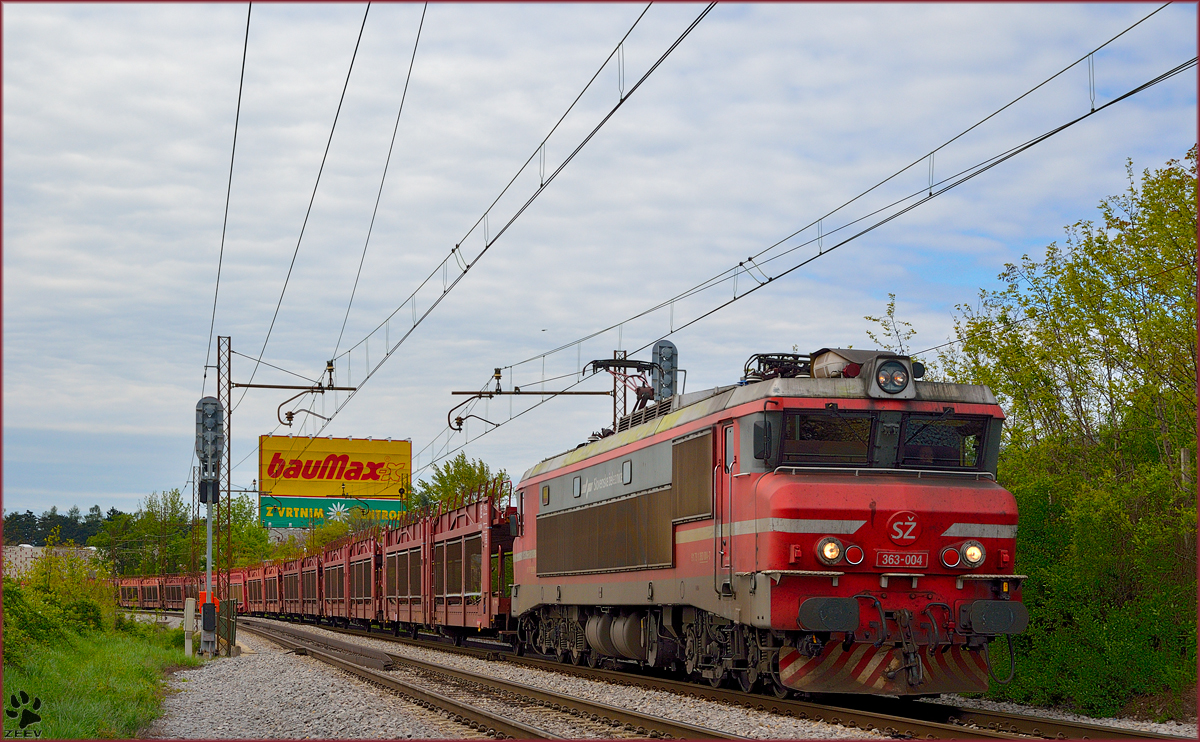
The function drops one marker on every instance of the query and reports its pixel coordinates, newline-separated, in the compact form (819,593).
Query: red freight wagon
(193,585)
(292,585)
(366,557)
(271,577)
(311,586)
(404,550)
(151,592)
(254,590)
(237,588)
(130,588)
(174,589)
(336,570)
(463,543)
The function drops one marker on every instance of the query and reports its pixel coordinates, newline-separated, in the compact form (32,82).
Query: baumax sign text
(334,467)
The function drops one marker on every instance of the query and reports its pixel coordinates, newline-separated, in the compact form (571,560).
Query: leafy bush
(84,613)
(1092,353)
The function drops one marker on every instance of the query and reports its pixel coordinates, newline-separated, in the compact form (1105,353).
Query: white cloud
(118,121)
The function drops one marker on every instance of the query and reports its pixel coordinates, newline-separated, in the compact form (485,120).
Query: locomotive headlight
(892,377)
(829,550)
(973,553)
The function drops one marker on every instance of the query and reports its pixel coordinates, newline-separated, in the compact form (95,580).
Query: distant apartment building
(19,560)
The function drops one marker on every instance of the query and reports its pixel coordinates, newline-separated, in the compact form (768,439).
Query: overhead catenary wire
(311,199)
(732,271)
(946,185)
(382,180)
(237,117)
(225,220)
(419,317)
(930,155)
(939,188)
(277,368)
(459,262)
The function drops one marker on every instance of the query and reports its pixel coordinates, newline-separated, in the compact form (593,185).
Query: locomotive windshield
(827,439)
(933,441)
(926,441)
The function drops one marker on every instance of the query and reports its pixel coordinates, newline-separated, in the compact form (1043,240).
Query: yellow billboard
(334,467)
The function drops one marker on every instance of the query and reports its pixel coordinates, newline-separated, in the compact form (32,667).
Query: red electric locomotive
(829,525)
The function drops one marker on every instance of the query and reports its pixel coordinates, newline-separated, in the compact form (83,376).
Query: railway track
(891,725)
(900,718)
(917,719)
(473,699)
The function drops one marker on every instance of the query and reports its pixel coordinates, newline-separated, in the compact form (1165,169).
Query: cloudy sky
(119,121)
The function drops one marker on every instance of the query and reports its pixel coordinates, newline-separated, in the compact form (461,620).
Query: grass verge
(95,685)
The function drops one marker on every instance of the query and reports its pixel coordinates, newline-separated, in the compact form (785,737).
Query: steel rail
(644,723)
(943,720)
(1037,726)
(476,718)
(913,718)
(809,711)
(632,720)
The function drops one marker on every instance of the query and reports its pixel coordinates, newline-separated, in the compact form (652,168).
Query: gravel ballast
(748,723)
(281,695)
(701,712)
(268,694)
(1187,731)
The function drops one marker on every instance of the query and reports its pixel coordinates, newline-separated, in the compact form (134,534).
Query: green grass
(99,684)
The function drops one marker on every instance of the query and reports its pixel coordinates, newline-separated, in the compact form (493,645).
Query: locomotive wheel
(593,659)
(718,678)
(745,681)
(578,656)
(690,651)
(778,688)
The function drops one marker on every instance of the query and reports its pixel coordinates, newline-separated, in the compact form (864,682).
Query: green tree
(248,538)
(21,528)
(165,525)
(893,333)
(119,543)
(155,539)
(452,480)
(1092,353)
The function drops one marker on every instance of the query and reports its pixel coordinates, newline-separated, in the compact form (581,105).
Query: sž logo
(903,528)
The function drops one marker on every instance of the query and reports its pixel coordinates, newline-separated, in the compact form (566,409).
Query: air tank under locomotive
(830,524)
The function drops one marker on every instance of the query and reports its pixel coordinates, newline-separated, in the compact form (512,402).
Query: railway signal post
(210,444)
